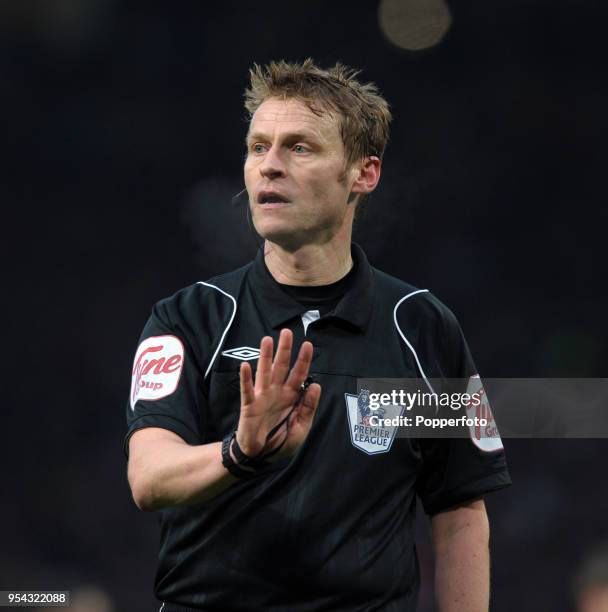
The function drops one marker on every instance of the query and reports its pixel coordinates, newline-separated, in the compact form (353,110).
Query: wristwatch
(253,464)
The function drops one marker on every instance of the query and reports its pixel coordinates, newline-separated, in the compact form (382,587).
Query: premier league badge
(368,431)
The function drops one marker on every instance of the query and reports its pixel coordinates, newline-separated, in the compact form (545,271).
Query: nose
(273,166)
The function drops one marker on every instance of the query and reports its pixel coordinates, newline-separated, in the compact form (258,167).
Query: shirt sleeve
(166,381)
(455,470)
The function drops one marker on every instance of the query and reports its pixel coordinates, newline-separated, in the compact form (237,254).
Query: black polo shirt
(332,527)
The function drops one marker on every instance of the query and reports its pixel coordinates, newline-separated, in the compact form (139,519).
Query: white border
(409,295)
(217,350)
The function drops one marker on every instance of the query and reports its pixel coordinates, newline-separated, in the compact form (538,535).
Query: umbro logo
(244,353)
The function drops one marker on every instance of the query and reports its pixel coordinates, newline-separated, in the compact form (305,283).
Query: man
(274,491)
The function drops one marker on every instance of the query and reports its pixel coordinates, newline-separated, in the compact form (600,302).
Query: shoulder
(427,327)
(212,300)
(410,304)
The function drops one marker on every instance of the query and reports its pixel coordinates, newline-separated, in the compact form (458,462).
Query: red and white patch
(157,368)
(485,437)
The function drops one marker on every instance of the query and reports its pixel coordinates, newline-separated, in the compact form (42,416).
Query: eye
(300,149)
(258,148)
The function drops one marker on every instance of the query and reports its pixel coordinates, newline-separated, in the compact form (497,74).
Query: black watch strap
(229,463)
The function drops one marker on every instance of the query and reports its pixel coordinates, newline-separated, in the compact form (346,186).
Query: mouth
(266,198)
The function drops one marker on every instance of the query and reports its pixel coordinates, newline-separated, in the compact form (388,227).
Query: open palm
(265,404)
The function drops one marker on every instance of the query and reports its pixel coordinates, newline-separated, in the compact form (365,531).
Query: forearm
(178,474)
(166,471)
(462,566)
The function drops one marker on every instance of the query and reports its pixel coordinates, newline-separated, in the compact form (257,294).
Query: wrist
(245,458)
(237,462)
(250,447)
(229,459)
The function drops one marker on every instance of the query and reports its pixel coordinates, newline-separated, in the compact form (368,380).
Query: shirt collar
(278,307)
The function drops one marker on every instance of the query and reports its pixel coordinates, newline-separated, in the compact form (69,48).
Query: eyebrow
(301,135)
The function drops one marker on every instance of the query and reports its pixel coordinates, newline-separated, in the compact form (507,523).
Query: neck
(311,264)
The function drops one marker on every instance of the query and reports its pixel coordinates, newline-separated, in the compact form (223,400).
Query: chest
(342,357)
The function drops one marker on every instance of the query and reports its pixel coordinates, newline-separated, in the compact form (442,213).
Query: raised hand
(267,402)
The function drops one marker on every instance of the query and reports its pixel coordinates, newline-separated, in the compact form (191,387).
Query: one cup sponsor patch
(157,368)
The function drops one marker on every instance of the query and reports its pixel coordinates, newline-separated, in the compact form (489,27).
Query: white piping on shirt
(409,295)
(217,350)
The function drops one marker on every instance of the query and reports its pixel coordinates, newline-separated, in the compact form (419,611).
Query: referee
(247,432)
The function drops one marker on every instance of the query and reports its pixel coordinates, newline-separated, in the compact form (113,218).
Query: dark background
(123,132)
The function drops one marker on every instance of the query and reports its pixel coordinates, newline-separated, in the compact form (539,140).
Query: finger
(309,404)
(262,376)
(299,372)
(246,378)
(310,401)
(280,366)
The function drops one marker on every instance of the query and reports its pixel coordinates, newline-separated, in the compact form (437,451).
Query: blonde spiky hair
(363,114)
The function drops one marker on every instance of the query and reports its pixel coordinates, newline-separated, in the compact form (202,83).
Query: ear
(366,175)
